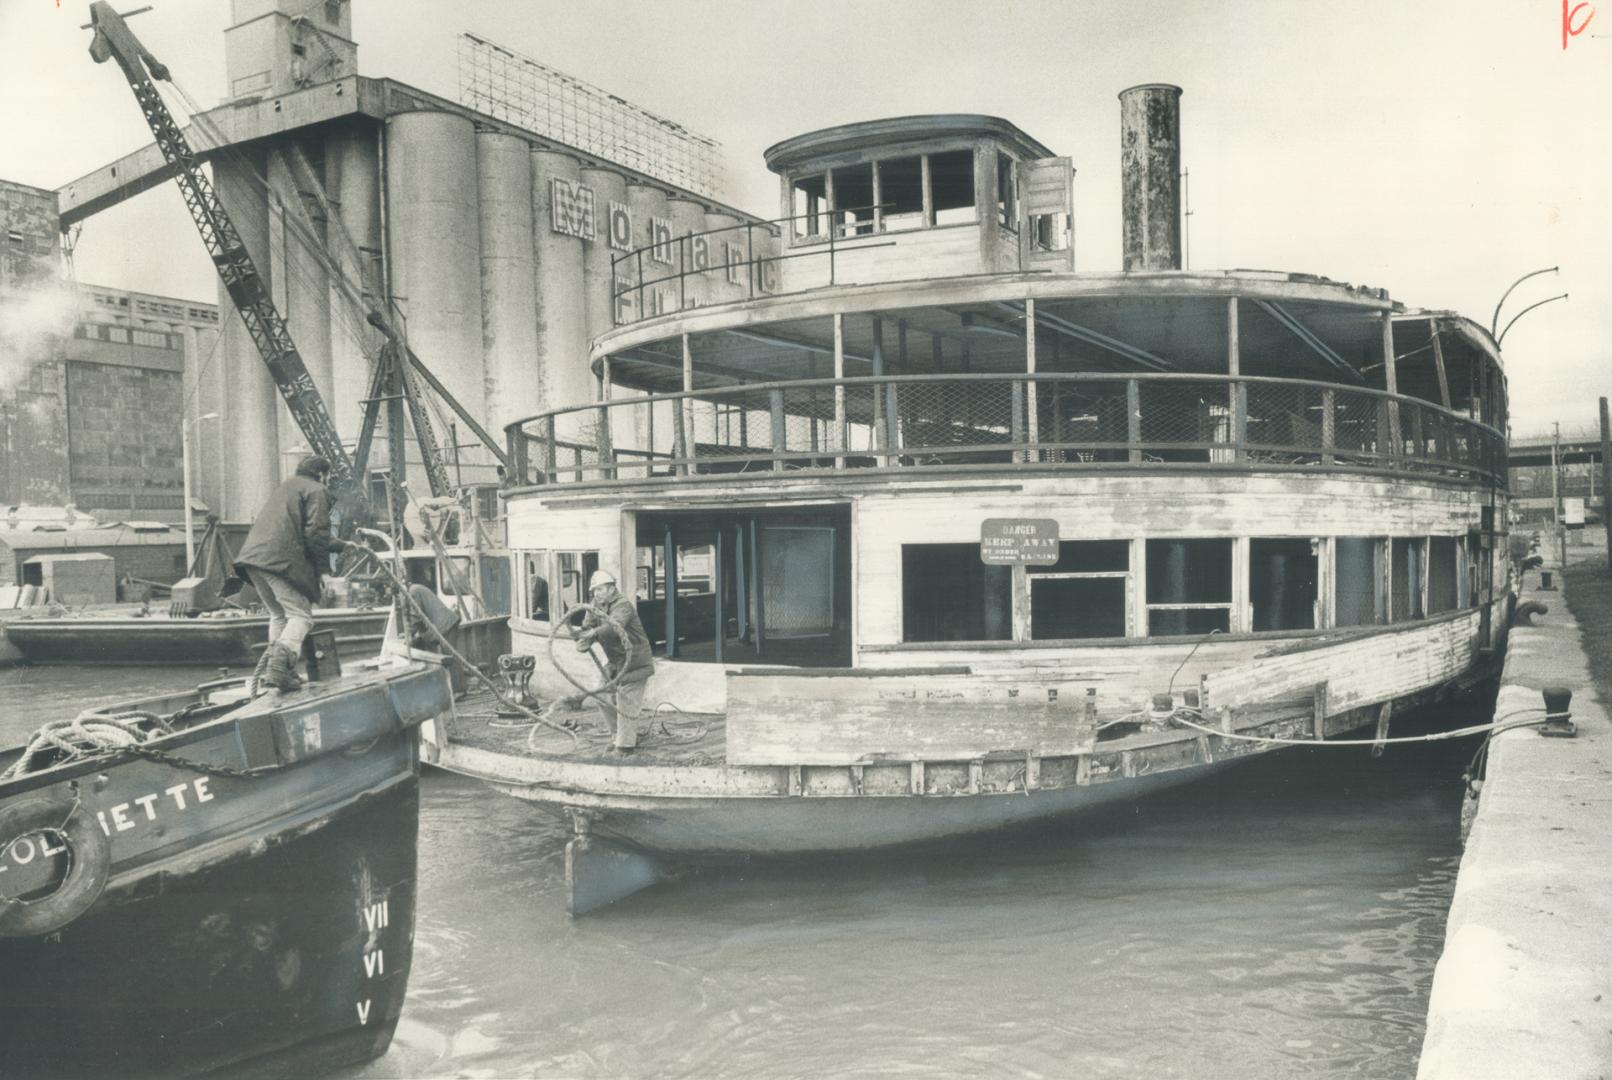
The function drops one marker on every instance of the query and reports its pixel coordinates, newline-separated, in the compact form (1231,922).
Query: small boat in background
(210,880)
(224,637)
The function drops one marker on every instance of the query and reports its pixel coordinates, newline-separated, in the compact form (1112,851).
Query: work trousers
(628,704)
(290,613)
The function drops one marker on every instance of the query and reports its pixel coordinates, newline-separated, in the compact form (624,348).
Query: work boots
(282,668)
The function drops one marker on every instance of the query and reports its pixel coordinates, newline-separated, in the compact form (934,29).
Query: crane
(114,41)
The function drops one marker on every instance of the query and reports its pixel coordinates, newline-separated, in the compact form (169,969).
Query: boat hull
(176,641)
(258,964)
(259,881)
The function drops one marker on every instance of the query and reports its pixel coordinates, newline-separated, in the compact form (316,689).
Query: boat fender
(89,864)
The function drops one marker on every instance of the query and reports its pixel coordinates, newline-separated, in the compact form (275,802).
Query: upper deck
(1240,370)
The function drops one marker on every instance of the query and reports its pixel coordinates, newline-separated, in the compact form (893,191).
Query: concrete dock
(1524,987)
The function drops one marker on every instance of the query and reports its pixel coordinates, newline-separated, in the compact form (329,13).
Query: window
(534,595)
(1442,575)
(1007,203)
(1049,232)
(948,594)
(901,193)
(951,185)
(811,202)
(1083,594)
(1282,576)
(1409,560)
(458,572)
(1359,574)
(1188,586)
(568,584)
(853,200)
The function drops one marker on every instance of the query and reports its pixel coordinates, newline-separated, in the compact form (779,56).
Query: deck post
(755,584)
(1032,414)
(1133,419)
(1319,696)
(601,437)
(681,420)
(841,435)
(1234,367)
(515,440)
(669,587)
(1391,375)
(780,433)
(1016,426)
(881,434)
(741,605)
(716,591)
(551,452)
(1438,362)
(1329,424)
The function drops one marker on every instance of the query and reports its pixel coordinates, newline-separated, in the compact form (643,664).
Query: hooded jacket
(291,536)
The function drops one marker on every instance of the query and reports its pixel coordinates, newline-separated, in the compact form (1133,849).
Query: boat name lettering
(25,849)
(185,796)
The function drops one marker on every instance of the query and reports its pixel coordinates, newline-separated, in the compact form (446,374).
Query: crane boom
(113,40)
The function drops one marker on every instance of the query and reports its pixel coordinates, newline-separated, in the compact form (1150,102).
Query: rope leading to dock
(1493,728)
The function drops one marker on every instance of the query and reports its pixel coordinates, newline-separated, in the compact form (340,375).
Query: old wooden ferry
(934,534)
(213,880)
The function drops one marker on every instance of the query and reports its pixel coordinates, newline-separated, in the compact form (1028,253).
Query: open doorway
(764,586)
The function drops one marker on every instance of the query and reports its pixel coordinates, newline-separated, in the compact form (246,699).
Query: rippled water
(1279,920)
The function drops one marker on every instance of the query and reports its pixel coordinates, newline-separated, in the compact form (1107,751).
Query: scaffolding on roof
(502,83)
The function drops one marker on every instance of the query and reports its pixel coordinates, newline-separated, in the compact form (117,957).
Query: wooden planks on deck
(845,720)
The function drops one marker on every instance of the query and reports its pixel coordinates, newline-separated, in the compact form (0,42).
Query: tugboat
(933,534)
(213,880)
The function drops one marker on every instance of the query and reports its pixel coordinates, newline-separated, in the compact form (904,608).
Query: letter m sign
(573,208)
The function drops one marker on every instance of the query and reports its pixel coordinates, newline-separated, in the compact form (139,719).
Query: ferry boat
(215,881)
(933,533)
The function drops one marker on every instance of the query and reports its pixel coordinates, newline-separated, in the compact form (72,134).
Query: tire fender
(89,864)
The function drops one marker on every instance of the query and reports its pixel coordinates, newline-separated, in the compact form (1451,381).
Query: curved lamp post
(1523,312)
(1495,320)
(190,520)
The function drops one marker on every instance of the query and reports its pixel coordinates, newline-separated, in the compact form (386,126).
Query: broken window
(810,204)
(1083,595)
(1358,562)
(1007,203)
(1409,560)
(1282,577)
(951,186)
(948,594)
(901,193)
(1049,232)
(1188,586)
(1442,575)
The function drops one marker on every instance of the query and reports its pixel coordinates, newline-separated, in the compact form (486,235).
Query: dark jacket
(625,612)
(291,536)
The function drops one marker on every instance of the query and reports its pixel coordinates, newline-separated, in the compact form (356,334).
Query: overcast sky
(1437,149)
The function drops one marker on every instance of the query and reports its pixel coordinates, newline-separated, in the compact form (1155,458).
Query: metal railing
(757,278)
(1071,420)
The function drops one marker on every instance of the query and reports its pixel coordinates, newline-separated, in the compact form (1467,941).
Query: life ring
(89,864)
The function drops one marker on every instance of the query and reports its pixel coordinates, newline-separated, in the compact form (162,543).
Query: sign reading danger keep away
(1011,541)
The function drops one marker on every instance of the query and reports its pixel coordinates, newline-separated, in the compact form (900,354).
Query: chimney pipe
(1150,175)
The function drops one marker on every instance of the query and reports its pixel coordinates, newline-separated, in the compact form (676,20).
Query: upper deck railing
(654,279)
(1040,420)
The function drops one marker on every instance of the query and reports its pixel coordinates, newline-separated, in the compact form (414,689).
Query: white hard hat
(600,577)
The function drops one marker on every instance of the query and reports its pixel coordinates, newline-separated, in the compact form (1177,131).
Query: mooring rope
(1493,728)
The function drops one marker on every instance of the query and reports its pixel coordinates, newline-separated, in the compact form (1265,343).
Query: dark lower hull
(289,960)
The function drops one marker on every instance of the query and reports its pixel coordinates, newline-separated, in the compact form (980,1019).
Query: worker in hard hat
(632,657)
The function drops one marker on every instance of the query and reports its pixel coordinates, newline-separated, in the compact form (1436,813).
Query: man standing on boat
(287,550)
(633,658)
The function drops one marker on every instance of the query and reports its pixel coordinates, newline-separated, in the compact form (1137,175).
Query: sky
(1437,149)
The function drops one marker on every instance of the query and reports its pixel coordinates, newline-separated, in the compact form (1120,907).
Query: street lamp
(1494,322)
(184,456)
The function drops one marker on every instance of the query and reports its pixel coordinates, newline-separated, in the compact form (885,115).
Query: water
(1279,920)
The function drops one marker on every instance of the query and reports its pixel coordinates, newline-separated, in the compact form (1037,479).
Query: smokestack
(1150,175)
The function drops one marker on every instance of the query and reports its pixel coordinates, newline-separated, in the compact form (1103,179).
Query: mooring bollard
(1558,713)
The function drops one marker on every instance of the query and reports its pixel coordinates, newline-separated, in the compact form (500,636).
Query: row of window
(896,194)
(124,335)
(1187,587)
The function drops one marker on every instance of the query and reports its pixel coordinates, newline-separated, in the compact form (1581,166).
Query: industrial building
(492,233)
(93,380)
